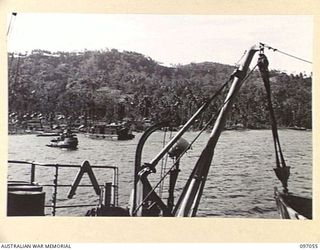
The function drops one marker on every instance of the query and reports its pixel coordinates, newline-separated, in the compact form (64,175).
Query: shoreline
(36,132)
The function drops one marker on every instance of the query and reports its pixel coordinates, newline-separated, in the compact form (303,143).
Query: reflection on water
(240,182)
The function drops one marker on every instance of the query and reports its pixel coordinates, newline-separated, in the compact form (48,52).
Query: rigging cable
(237,63)
(12,18)
(164,163)
(163,160)
(284,53)
(282,171)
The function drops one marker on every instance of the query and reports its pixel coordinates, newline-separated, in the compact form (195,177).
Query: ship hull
(293,207)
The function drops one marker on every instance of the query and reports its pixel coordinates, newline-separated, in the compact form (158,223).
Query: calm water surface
(240,182)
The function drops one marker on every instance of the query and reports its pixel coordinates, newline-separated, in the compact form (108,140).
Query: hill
(112,85)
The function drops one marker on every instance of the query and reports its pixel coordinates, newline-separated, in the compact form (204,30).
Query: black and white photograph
(149,115)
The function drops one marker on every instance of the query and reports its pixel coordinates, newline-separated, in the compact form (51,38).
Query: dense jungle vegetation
(110,85)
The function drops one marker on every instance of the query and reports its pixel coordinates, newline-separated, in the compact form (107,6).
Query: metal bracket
(85,168)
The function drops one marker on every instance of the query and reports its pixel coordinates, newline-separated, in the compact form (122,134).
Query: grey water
(240,183)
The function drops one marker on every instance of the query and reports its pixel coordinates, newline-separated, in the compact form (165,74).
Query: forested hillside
(112,85)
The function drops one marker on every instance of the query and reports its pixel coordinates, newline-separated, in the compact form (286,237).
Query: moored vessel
(119,132)
(66,140)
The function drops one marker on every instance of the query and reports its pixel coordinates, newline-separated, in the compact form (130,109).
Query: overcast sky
(169,39)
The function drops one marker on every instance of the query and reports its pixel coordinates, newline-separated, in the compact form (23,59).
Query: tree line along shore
(114,86)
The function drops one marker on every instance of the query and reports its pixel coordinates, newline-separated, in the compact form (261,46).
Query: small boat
(65,140)
(298,128)
(119,132)
(47,134)
(238,126)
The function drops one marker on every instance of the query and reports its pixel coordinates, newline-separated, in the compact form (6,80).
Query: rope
(11,22)
(284,53)
(164,164)
(237,63)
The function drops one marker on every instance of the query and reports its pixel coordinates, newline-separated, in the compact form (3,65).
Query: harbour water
(240,182)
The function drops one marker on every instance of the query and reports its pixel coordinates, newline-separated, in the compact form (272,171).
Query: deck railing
(109,189)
